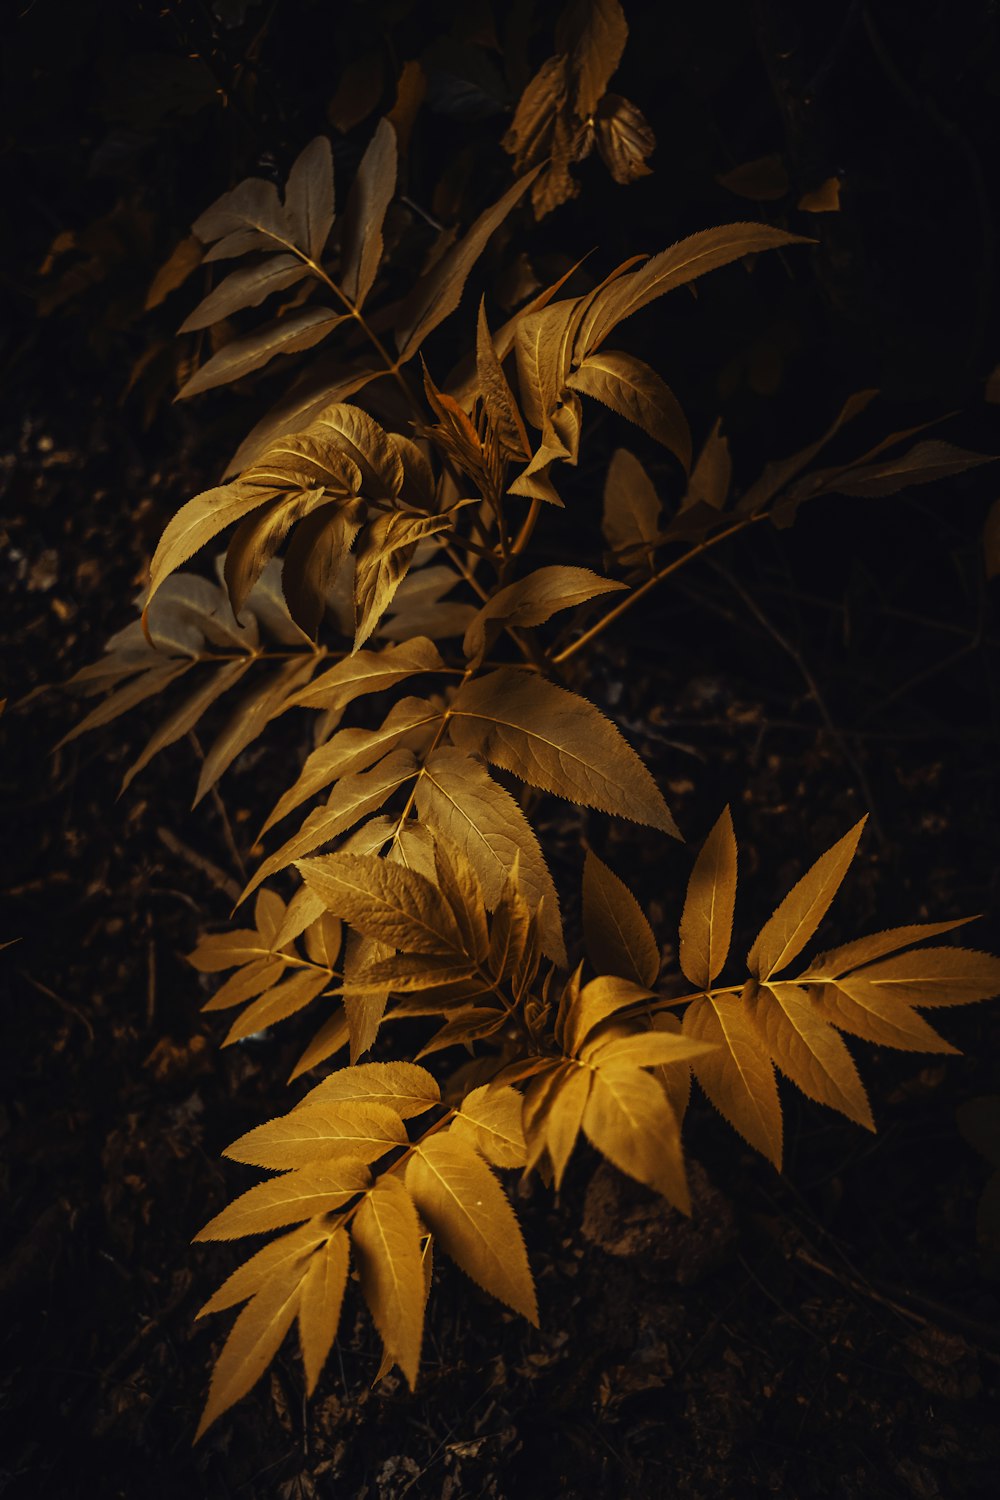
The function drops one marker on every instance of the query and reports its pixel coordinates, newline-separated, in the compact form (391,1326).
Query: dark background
(833,1331)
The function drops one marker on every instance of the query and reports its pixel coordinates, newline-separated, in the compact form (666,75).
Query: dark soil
(833,1331)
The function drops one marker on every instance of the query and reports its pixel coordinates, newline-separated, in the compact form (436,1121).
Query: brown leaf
(624,138)
(309,198)
(497,396)
(531,601)
(763,180)
(369,198)
(247,287)
(288,335)
(593,33)
(632,508)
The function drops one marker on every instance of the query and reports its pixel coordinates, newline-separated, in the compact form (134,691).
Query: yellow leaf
(469,1215)
(878,1018)
(628,1119)
(496,394)
(249,981)
(274,1260)
(852,955)
(324,1131)
(316,1189)
(556,740)
(278,1004)
(369,672)
(562,1116)
(927,977)
(809,1051)
(383,561)
(707,919)
(616,935)
(364,1011)
(320,1301)
(386,1235)
(393,905)
(786,932)
(329,1039)
(629,387)
(737,1075)
(601,998)
(490,1117)
(531,601)
(409,1090)
(256,1337)
(642,1049)
(458,798)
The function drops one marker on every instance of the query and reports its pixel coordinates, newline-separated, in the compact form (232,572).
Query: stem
(619,609)
(527,527)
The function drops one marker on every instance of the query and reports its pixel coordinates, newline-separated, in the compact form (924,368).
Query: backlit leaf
(809,1051)
(256,1337)
(316,1189)
(737,1075)
(323,1131)
(320,1300)
(490,1117)
(627,1117)
(386,1236)
(406,1088)
(617,937)
(789,929)
(531,601)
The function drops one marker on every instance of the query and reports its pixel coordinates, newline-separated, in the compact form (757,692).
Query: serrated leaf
(247,287)
(370,672)
(593,33)
(558,741)
(251,206)
(561,1118)
(497,397)
(629,387)
(216,951)
(641,1049)
(470,1217)
(383,561)
(809,1051)
(274,1260)
(353,798)
(256,1337)
(490,1117)
(284,1000)
(596,1001)
(364,1011)
(324,1131)
(461,801)
(707,920)
(531,601)
(737,1075)
(786,933)
(196,523)
(437,294)
(309,197)
(837,961)
(249,981)
(616,935)
(249,719)
(369,198)
(625,138)
(386,1235)
(316,1189)
(682,263)
(320,1301)
(628,1119)
(258,536)
(314,558)
(186,716)
(878,1018)
(927,977)
(394,906)
(406,1088)
(330,1039)
(349,430)
(632,508)
(288,335)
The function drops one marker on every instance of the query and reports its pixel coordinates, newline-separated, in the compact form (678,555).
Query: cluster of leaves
(370,545)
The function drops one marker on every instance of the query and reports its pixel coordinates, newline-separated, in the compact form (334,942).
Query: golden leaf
(364,1011)
(616,935)
(558,741)
(284,1000)
(490,1117)
(409,1090)
(878,1017)
(330,1039)
(395,906)
(624,138)
(807,1049)
(248,720)
(837,961)
(641,1049)
(323,1131)
(627,1117)
(707,920)
(460,800)
(371,195)
(301,1194)
(786,932)
(927,977)
(287,335)
(321,1298)
(531,601)
(386,1235)
(382,563)
(560,1119)
(737,1075)
(593,33)
(469,1215)
(274,1260)
(369,672)
(601,998)
(497,396)
(630,388)
(256,1337)
(253,979)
